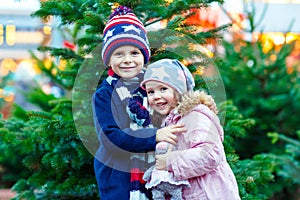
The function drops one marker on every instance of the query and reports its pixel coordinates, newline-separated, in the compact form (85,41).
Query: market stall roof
(17,13)
(277,17)
(270,16)
(19,7)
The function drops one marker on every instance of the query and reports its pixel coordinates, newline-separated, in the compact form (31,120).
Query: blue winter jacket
(112,159)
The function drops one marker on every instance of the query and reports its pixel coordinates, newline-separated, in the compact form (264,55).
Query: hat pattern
(170,72)
(124,28)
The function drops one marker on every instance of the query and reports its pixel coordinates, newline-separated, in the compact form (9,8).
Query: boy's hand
(167,134)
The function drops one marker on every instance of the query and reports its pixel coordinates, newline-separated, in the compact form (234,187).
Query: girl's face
(127,61)
(161,97)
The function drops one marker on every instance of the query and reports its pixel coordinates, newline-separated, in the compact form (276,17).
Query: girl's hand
(167,134)
(161,160)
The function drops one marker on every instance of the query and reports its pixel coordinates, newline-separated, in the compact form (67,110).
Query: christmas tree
(264,88)
(58,143)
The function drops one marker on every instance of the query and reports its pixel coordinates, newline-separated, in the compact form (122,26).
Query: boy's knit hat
(170,72)
(124,28)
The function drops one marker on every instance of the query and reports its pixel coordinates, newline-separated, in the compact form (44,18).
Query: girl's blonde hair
(194,98)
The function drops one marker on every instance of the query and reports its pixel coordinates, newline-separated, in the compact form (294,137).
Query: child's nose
(127,58)
(157,95)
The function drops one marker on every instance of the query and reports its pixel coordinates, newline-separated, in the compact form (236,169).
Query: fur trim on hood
(194,98)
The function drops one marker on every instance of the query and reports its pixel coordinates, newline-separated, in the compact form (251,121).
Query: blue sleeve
(111,135)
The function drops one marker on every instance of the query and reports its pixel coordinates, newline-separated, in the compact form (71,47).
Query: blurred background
(19,33)
(254,45)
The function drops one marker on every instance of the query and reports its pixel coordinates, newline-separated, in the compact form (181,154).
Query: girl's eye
(150,92)
(163,89)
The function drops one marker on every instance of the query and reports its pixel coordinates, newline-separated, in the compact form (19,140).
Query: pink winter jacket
(200,157)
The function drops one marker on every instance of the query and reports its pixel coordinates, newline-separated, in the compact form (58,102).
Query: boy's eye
(135,53)
(118,54)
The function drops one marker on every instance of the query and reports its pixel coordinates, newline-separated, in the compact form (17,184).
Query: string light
(1,34)
(62,64)
(169,2)
(47,29)
(7,65)
(48,63)
(9,98)
(199,71)
(1,93)
(10,35)
(114,6)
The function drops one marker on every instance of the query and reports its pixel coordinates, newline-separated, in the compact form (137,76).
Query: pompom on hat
(170,72)
(124,28)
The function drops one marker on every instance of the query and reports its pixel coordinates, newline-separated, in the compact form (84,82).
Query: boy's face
(161,97)
(127,61)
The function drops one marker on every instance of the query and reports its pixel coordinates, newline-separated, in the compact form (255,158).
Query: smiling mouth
(161,105)
(127,67)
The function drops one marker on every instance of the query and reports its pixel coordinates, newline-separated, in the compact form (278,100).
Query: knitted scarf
(140,162)
(140,118)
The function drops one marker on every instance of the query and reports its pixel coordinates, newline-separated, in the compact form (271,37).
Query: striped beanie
(124,28)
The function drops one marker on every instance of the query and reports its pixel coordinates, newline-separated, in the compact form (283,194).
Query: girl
(200,156)
(125,50)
